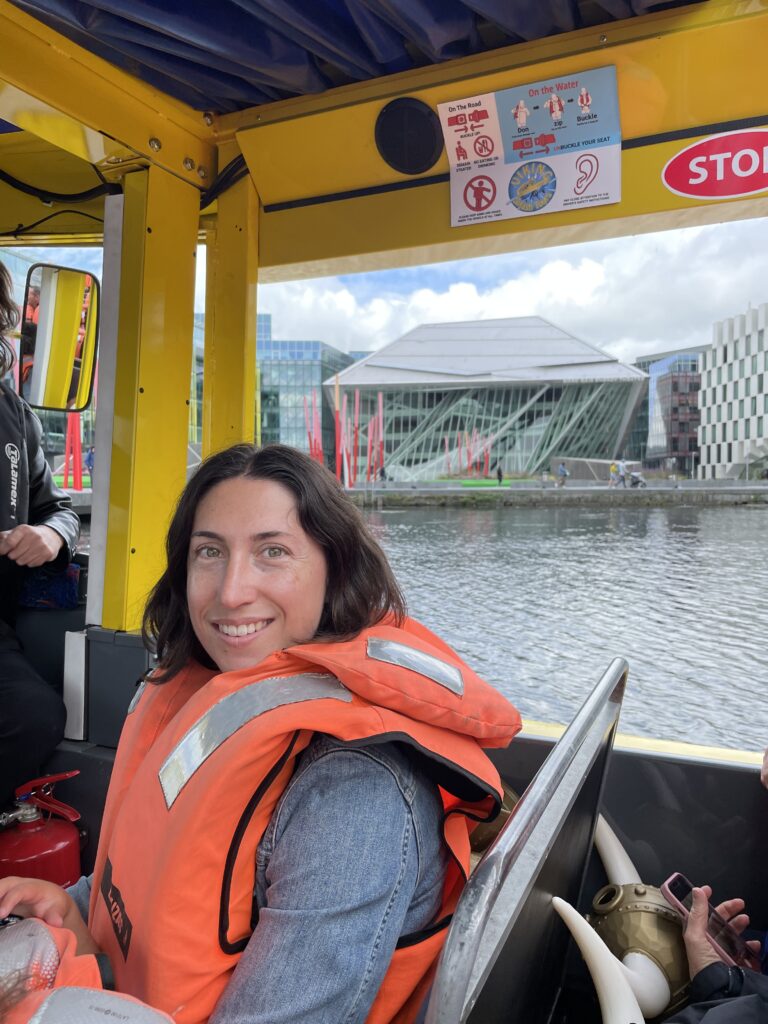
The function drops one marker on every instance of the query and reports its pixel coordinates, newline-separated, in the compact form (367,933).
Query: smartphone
(723,938)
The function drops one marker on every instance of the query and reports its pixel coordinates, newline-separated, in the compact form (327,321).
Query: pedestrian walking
(622,470)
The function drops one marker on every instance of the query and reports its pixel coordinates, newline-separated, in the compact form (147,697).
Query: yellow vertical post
(151,410)
(229,369)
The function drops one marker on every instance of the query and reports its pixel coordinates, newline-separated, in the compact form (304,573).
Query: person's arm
(53,529)
(340,880)
(32,897)
(711,977)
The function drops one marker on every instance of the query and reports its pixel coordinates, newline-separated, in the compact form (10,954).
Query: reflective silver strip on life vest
(27,949)
(427,665)
(232,713)
(93,1006)
(137,696)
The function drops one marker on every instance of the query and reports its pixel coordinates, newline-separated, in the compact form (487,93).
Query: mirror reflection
(59,333)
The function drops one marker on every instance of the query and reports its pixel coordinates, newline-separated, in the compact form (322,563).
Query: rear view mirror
(59,331)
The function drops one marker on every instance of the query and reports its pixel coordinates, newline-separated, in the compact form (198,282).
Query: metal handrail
(477,935)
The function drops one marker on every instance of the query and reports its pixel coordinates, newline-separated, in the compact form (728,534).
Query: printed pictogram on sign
(587,165)
(479,193)
(483,145)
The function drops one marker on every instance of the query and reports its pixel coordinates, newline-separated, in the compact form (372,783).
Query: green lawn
(59,480)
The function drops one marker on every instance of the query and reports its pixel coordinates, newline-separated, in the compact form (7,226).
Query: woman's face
(255,580)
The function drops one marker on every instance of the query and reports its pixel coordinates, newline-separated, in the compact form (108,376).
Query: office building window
(746,429)
(754,405)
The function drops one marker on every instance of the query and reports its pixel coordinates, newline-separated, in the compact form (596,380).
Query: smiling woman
(287,827)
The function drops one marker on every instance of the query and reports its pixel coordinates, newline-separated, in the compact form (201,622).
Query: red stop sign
(720,166)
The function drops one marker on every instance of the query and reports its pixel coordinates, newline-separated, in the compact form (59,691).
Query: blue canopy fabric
(232,54)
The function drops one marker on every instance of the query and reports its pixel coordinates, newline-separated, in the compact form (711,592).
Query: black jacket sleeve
(48,504)
(720,996)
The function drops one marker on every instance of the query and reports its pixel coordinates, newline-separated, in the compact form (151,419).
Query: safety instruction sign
(537,148)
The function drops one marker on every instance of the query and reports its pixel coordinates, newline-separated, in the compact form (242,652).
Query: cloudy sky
(630,296)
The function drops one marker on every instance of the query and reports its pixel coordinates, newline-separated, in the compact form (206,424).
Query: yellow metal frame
(66,311)
(229,369)
(85,106)
(154,361)
(676,71)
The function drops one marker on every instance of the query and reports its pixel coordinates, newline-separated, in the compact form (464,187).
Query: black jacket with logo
(28,494)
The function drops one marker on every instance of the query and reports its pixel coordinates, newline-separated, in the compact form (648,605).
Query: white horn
(618,1004)
(647,981)
(618,867)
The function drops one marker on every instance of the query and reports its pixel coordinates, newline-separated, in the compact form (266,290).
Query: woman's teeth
(243,629)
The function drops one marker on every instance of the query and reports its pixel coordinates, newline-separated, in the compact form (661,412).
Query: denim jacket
(352,860)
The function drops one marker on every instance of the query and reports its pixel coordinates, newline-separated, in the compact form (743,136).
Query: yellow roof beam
(82,104)
(332,204)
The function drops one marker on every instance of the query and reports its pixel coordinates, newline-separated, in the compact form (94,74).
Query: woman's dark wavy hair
(9,317)
(361,587)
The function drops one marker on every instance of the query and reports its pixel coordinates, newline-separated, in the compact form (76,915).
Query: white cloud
(630,296)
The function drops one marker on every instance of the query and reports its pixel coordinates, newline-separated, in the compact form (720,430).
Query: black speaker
(408,135)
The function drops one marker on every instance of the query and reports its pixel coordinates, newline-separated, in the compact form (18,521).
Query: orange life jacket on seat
(83,1005)
(47,982)
(204,759)
(42,957)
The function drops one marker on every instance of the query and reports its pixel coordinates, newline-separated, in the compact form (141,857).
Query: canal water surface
(538,601)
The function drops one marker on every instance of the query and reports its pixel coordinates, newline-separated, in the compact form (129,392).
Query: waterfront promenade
(665,494)
(574,495)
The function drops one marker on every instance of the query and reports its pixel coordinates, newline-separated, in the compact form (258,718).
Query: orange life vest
(84,1005)
(204,759)
(41,971)
(42,957)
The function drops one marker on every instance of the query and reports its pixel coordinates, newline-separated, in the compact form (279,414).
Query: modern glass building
(516,392)
(292,373)
(672,409)
(734,399)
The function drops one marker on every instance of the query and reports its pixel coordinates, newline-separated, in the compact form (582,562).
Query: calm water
(538,601)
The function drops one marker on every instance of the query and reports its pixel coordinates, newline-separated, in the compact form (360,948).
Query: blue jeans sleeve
(346,871)
(81,894)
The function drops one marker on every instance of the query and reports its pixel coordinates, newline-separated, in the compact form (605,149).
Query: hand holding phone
(721,935)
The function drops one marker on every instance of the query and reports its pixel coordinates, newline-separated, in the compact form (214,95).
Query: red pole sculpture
(370,448)
(317,433)
(77,452)
(356,435)
(381,431)
(67,452)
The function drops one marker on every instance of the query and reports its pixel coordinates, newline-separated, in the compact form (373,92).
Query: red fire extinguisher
(34,840)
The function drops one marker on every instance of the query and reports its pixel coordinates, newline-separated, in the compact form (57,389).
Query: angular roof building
(516,392)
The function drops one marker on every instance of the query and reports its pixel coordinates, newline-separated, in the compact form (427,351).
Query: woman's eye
(274,552)
(208,551)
